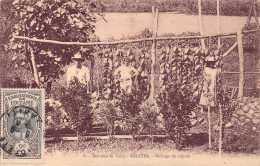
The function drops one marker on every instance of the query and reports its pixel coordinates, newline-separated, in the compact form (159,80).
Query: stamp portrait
(22,126)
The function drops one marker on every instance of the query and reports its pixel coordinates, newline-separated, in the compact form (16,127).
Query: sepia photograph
(130,82)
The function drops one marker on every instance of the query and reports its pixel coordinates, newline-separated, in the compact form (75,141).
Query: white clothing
(208,95)
(82,74)
(126,73)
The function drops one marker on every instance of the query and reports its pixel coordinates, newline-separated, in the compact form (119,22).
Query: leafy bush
(76,102)
(56,117)
(129,105)
(176,105)
(241,143)
(149,114)
(106,113)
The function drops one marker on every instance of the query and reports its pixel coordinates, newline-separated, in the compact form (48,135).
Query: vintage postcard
(22,126)
(130,82)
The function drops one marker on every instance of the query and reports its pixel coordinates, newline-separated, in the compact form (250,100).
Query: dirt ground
(140,152)
(192,157)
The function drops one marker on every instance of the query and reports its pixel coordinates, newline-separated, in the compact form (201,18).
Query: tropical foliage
(60,20)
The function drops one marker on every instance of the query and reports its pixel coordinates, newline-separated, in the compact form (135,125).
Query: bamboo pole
(209,121)
(229,50)
(155,28)
(241,65)
(224,35)
(218,20)
(200,23)
(124,41)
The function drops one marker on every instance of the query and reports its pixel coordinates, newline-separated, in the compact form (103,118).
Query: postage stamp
(22,126)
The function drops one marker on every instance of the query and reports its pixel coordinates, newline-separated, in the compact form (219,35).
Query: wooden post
(92,63)
(200,23)
(35,72)
(249,15)
(220,131)
(218,20)
(256,14)
(241,65)
(209,121)
(31,58)
(155,28)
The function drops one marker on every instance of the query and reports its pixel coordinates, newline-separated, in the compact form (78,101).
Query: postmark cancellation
(22,126)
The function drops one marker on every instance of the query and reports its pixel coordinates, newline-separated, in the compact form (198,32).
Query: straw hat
(77,56)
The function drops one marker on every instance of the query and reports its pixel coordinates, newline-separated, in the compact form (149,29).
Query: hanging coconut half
(119,53)
(116,64)
(167,66)
(195,86)
(196,93)
(129,52)
(174,61)
(174,68)
(200,120)
(187,51)
(197,61)
(175,50)
(193,122)
(131,57)
(197,51)
(228,125)
(167,50)
(193,114)
(162,70)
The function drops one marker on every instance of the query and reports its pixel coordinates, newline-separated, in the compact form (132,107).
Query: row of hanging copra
(112,61)
(183,65)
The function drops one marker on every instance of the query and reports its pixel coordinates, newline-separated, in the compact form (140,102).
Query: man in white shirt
(211,74)
(125,73)
(78,71)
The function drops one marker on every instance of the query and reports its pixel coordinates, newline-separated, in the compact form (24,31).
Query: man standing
(79,72)
(211,74)
(125,73)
